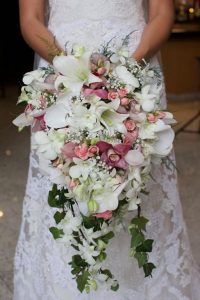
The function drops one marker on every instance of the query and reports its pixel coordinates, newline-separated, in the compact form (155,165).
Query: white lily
(127,77)
(76,71)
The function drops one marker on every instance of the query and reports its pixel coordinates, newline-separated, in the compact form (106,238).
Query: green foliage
(82,280)
(58,216)
(140,247)
(57,233)
(57,198)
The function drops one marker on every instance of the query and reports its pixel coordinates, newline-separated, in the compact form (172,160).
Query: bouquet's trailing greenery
(98,126)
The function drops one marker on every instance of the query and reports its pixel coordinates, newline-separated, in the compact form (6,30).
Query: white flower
(23,120)
(37,75)
(120,55)
(76,71)
(134,158)
(88,252)
(57,115)
(78,50)
(165,137)
(49,143)
(148,97)
(70,223)
(82,168)
(125,76)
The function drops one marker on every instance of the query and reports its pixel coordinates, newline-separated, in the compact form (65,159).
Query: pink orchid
(114,155)
(96,89)
(106,215)
(68,150)
(131,137)
(42,122)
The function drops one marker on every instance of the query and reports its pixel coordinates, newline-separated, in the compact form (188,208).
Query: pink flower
(68,150)
(131,137)
(114,155)
(93,150)
(124,101)
(96,89)
(28,109)
(152,118)
(43,102)
(161,114)
(73,184)
(82,151)
(42,122)
(106,215)
(122,92)
(112,95)
(130,125)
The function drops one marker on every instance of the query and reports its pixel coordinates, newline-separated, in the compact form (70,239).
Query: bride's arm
(34,31)
(160,22)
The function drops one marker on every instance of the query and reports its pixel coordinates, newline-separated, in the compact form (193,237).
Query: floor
(14,151)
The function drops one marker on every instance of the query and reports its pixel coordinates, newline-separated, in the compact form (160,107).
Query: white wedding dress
(41,270)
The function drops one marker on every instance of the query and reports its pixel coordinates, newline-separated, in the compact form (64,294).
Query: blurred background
(181,66)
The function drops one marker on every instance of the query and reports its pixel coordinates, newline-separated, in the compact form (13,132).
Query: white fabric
(41,270)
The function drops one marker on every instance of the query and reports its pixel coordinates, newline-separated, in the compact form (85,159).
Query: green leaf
(140,222)
(58,216)
(145,247)
(57,233)
(82,280)
(137,238)
(102,256)
(105,238)
(107,272)
(148,268)
(142,258)
(77,260)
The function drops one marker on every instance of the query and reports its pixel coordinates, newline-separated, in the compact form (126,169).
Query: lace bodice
(94,22)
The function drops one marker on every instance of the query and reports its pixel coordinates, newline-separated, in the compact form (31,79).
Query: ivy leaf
(148,268)
(82,280)
(105,238)
(141,258)
(140,222)
(59,216)
(146,246)
(77,260)
(107,272)
(57,233)
(137,238)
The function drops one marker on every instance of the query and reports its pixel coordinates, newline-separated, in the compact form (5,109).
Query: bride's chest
(98,8)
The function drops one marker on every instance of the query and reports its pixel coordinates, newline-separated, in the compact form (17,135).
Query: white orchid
(36,75)
(108,199)
(120,54)
(127,77)
(23,120)
(82,168)
(148,97)
(70,223)
(57,115)
(88,252)
(49,143)
(165,137)
(134,158)
(75,72)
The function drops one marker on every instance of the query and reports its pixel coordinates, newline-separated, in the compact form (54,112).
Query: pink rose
(106,215)
(122,92)
(130,125)
(112,95)
(124,101)
(93,150)
(82,151)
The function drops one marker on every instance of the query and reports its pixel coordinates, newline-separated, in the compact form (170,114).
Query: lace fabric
(41,264)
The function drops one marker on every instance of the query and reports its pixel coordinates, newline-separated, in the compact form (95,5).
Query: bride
(41,272)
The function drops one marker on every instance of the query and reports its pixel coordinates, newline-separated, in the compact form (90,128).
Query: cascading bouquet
(97,126)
